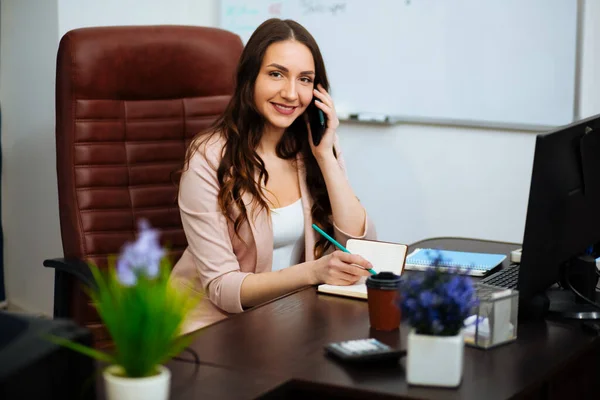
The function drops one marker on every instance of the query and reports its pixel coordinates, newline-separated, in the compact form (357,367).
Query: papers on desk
(502,333)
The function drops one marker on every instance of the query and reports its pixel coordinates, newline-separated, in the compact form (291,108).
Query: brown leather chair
(128,100)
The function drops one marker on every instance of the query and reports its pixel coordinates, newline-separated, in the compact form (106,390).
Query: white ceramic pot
(434,360)
(119,387)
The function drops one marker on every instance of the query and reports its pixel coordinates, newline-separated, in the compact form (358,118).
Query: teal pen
(335,242)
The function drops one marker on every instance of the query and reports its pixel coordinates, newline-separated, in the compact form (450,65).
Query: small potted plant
(436,304)
(143,313)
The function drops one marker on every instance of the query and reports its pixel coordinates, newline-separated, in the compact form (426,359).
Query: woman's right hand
(337,268)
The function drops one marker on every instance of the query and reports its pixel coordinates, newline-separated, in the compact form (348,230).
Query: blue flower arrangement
(140,308)
(437,302)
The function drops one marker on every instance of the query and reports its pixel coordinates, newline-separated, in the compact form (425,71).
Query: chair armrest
(75,267)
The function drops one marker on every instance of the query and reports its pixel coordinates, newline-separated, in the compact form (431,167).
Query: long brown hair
(241,125)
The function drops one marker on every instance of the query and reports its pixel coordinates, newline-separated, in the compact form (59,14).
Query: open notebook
(384,257)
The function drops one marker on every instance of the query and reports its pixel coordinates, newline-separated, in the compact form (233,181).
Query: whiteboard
(481,62)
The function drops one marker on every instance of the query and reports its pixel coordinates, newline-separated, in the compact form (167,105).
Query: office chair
(128,101)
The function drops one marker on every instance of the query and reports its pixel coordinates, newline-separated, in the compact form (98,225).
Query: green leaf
(178,346)
(78,347)
(144,320)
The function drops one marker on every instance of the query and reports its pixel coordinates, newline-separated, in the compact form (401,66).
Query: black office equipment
(32,367)
(508,277)
(317,122)
(363,350)
(562,228)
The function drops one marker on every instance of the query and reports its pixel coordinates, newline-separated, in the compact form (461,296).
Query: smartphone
(317,122)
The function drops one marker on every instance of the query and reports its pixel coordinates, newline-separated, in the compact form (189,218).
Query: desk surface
(280,344)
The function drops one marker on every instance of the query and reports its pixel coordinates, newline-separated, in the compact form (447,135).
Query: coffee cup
(382,295)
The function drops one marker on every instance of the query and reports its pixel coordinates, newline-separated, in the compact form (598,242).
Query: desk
(277,350)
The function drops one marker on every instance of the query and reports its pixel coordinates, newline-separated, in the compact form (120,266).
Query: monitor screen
(562,221)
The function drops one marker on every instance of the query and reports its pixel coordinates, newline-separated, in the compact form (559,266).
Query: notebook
(383,256)
(474,264)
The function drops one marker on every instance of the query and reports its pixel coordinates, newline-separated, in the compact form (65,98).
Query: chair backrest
(128,101)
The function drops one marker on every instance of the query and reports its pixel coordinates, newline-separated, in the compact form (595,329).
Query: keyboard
(507,277)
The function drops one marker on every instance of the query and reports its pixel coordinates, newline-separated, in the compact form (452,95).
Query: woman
(255,182)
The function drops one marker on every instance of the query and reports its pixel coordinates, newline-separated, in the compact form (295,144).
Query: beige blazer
(216,260)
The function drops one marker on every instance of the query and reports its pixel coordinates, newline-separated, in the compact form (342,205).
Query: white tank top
(288,235)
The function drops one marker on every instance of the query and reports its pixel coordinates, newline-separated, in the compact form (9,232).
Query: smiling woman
(254,183)
(283,92)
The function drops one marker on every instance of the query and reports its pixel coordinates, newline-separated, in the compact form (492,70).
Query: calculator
(363,350)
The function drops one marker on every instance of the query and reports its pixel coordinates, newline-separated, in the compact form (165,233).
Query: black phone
(317,121)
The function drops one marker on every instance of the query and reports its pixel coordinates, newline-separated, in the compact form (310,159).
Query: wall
(422,181)
(81,13)
(590,66)
(27,77)
(29,194)
(417,181)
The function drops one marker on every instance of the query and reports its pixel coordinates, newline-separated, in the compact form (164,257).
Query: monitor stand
(565,305)
(578,276)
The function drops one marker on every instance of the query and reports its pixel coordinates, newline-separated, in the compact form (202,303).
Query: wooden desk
(279,346)
(204,381)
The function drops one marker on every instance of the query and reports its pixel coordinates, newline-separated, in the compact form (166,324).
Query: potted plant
(435,304)
(143,313)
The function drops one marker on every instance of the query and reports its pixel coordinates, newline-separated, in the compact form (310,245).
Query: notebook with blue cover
(474,264)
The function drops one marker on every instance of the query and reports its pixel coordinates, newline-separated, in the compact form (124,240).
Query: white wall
(30,33)
(82,13)
(417,181)
(29,193)
(422,181)
(590,66)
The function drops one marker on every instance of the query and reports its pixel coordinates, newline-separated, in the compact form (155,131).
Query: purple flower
(426,299)
(436,302)
(140,257)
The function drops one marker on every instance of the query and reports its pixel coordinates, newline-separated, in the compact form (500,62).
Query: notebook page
(382,255)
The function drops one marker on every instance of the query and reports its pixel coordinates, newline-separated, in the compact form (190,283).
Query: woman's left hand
(324,102)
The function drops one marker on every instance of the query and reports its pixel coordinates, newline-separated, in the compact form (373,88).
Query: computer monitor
(562,228)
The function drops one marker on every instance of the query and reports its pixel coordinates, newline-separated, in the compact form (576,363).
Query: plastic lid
(384,281)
